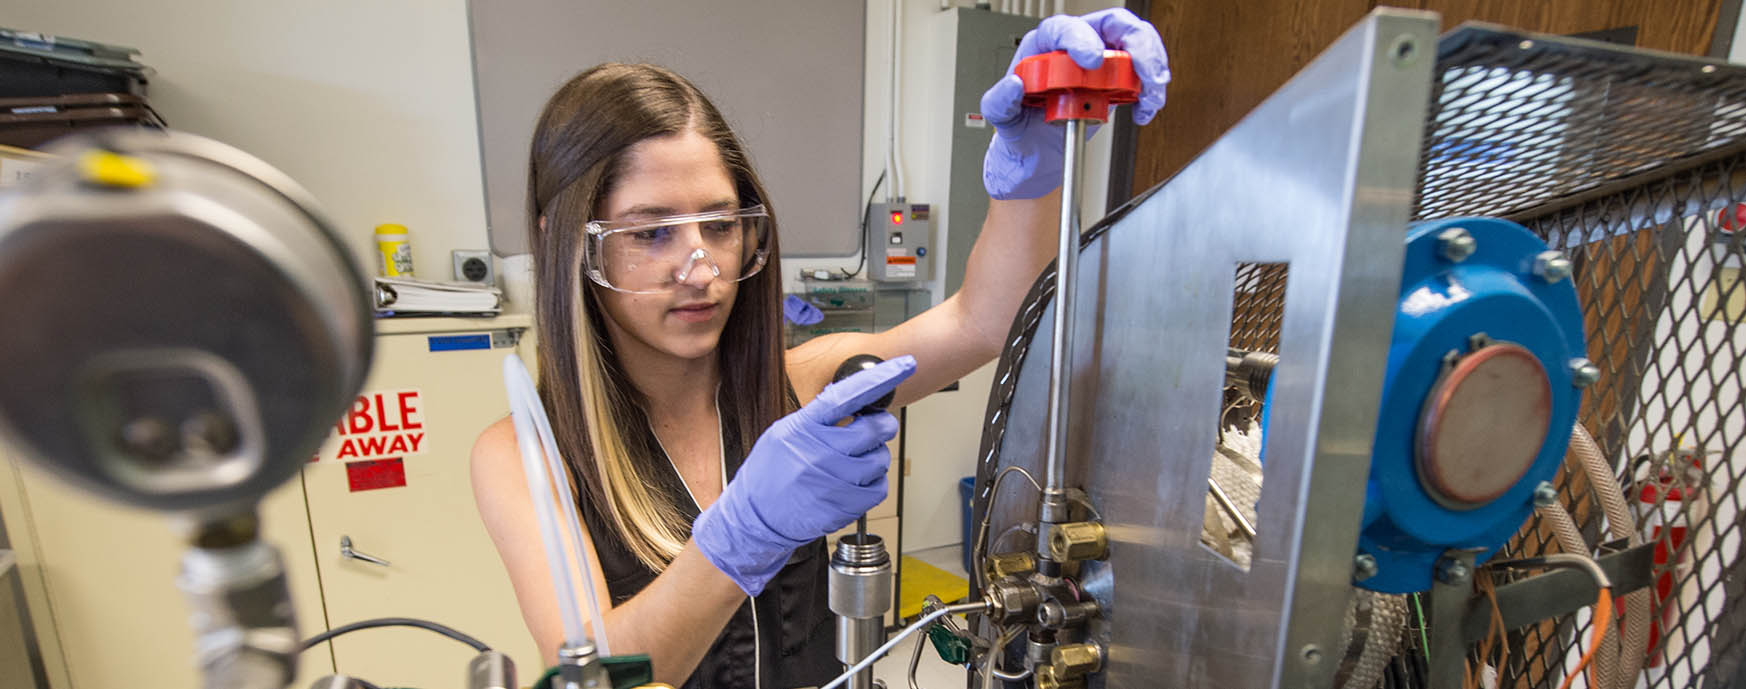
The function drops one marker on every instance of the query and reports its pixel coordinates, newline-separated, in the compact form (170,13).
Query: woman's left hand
(1024,159)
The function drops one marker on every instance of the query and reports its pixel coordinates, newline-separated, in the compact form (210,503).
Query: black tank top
(788,628)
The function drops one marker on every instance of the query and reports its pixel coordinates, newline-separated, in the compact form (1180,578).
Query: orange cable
(1603,615)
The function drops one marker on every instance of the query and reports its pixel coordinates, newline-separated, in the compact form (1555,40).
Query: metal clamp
(346,551)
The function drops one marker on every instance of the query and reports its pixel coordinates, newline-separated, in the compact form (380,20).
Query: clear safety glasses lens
(658,255)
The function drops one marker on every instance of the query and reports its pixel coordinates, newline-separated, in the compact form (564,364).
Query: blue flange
(1443,304)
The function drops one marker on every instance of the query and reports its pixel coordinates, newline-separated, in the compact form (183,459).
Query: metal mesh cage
(1634,164)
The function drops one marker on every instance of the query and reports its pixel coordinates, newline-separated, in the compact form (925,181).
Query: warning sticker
(374,474)
(380,425)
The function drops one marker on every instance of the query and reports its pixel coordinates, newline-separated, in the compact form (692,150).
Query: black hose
(865,209)
(396,622)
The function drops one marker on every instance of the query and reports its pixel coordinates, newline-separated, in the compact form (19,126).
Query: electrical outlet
(474,266)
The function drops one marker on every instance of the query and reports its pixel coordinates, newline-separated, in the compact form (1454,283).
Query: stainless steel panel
(1335,152)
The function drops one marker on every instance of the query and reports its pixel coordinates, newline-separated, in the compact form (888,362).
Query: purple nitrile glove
(799,312)
(805,478)
(1024,158)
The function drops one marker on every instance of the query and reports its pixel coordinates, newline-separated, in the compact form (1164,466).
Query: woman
(661,363)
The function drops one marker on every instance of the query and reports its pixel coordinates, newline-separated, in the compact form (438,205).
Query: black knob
(857,364)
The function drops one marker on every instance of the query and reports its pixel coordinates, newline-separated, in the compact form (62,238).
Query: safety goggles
(651,256)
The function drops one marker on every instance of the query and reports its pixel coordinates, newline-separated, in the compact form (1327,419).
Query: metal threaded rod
(1066,263)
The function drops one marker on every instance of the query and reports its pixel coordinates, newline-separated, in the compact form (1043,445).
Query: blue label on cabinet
(455,343)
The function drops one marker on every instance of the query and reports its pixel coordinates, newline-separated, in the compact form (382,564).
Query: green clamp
(626,672)
(953,648)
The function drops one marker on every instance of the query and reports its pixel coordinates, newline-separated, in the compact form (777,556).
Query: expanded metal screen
(1634,164)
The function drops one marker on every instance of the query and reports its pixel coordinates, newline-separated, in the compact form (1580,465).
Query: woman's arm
(963,332)
(674,620)
(1022,174)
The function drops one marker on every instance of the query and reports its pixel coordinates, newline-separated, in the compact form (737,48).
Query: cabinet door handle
(346,551)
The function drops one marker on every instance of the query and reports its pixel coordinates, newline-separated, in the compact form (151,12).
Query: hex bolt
(1077,541)
(1076,660)
(1551,266)
(1583,372)
(1545,495)
(1453,571)
(1364,566)
(1456,244)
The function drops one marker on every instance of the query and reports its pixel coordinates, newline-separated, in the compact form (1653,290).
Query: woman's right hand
(805,478)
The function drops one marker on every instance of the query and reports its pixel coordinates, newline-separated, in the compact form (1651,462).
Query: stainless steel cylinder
(856,638)
(860,578)
(860,595)
(245,634)
(491,670)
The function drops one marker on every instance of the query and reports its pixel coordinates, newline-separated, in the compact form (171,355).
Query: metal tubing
(1230,507)
(1066,261)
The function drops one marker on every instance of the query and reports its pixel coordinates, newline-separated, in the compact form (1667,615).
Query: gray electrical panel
(898,235)
(986,43)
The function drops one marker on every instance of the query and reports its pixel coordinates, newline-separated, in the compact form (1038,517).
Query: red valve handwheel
(1054,82)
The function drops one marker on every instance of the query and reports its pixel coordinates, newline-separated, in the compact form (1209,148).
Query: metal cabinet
(393,482)
(99,582)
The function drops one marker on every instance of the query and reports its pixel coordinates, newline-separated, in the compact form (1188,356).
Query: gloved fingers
(1122,30)
(847,396)
(869,497)
(859,436)
(1062,32)
(1002,103)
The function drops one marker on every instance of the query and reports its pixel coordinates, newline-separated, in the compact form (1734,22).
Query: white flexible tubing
(533,435)
(1621,524)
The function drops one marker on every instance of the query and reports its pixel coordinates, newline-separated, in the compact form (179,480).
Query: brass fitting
(1074,541)
(1048,678)
(1004,565)
(1076,660)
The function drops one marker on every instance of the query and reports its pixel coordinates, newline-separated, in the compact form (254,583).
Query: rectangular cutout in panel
(1234,481)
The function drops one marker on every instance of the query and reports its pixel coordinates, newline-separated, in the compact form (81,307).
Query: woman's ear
(542,224)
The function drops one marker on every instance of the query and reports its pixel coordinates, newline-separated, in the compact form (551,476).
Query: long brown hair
(598,417)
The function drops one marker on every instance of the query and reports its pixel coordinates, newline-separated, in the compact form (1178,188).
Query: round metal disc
(1483,425)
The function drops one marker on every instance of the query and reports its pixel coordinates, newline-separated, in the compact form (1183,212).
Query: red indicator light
(897,217)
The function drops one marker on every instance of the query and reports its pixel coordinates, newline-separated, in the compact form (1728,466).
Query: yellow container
(394,251)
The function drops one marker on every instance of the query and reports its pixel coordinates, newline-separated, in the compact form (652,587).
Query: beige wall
(367,104)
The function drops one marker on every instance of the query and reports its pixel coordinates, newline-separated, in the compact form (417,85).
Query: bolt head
(1545,495)
(1364,566)
(1456,244)
(1583,372)
(1453,571)
(1551,266)
(1312,654)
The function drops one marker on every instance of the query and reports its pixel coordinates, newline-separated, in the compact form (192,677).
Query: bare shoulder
(496,466)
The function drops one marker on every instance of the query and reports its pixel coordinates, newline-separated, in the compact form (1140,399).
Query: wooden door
(1226,57)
